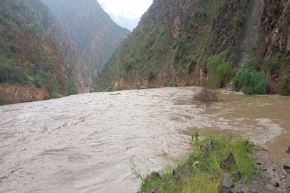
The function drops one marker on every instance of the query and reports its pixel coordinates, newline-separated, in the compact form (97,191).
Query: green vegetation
(10,73)
(219,70)
(200,13)
(250,81)
(202,171)
(2,103)
(153,49)
(239,20)
(183,53)
(277,63)
(285,90)
(26,63)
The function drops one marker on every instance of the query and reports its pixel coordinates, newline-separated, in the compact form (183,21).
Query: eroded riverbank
(98,142)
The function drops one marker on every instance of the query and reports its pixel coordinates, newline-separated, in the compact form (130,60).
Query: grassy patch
(2,103)
(201,171)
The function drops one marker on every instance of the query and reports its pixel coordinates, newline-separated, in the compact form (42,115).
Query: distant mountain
(181,42)
(95,34)
(37,58)
(126,22)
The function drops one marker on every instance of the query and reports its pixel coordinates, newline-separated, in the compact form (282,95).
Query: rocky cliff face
(172,42)
(36,54)
(95,34)
(275,41)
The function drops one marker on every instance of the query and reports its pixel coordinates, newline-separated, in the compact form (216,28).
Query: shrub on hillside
(250,81)
(239,20)
(12,74)
(219,70)
(285,90)
(200,13)
(52,89)
(41,79)
(2,102)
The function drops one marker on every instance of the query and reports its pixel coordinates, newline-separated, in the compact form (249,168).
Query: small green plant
(194,137)
(219,70)
(285,90)
(239,20)
(41,79)
(250,81)
(200,13)
(52,89)
(128,65)
(151,75)
(276,63)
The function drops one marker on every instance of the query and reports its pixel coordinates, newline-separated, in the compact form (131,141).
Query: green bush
(239,20)
(151,75)
(200,13)
(219,70)
(276,63)
(12,74)
(52,89)
(285,90)
(128,65)
(41,79)
(2,102)
(250,81)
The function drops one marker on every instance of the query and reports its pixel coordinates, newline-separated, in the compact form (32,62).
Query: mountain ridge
(96,35)
(174,40)
(36,54)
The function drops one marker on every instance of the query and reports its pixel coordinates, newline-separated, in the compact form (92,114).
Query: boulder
(226,185)
(227,182)
(287,169)
(229,162)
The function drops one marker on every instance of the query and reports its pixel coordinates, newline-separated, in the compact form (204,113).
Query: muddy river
(102,142)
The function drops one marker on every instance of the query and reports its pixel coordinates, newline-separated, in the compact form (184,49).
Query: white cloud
(128,9)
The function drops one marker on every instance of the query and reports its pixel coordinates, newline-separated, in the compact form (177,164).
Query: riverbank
(221,165)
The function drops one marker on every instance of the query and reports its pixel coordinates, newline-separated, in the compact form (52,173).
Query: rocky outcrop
(93,31)
(276,27)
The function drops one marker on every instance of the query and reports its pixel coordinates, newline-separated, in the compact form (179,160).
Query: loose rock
(229,162)
(227,182)
(287,169)
(206,95)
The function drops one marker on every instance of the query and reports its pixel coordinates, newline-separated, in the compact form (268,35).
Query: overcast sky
(126,13)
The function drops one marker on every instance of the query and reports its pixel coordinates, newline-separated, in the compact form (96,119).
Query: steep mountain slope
(37,59)
(95,34)
(175,38)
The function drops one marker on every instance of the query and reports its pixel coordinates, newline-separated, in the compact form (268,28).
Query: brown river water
(102,142)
